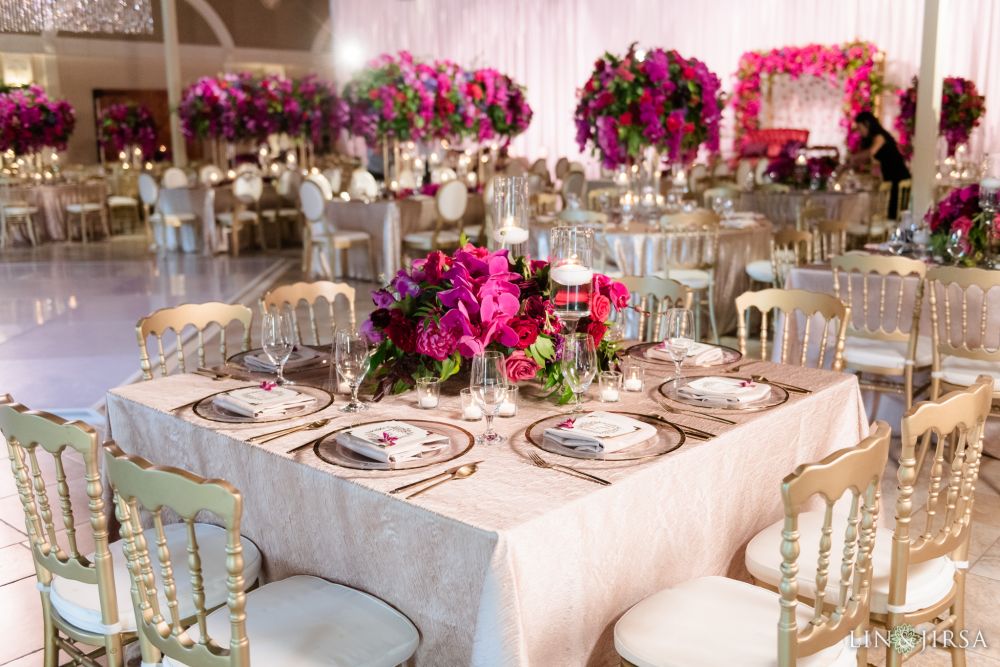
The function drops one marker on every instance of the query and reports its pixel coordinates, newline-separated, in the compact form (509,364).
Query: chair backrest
(311,293)
(573,184)
(149,191)
(334,178)
(830,239)
(562,167)
(970,333)
(363,185)
(809,214)
(209,175)
(693,248)
(541,168)
(451,200)
(407,180)
(582,215)
(880,201)
(142,488)
(288,183)
(697,177)
(314,193)
(651,297)
(174,177)
(722,191)
(878,319)
(759,171)
(856,471)
(789,247)
(801,308)
(198,315)
(248,187)
(744,170)
(440,175)
(942,443)
(41,447)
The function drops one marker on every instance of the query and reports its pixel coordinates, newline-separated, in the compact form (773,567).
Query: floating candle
(571,275)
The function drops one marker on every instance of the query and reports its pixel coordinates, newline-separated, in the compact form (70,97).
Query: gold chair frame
(797,243)
(700,235)
(830,240)
(655,296)
(311,293)
(198,315)
(440,221)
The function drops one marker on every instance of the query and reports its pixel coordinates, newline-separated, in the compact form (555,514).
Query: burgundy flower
(534,307)
(526,330)
(402,332)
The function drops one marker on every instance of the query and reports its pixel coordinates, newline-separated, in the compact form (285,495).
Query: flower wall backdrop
(962,109)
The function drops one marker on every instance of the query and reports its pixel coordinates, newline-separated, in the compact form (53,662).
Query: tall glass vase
(571,272)
(989,202)
(510,214)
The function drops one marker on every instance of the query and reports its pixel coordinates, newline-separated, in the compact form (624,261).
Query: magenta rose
(526,330)
(520,366)
(436,342)
(600,307)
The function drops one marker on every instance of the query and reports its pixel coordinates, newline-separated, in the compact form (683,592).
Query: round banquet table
(782,208)
(51,200)
(641,249)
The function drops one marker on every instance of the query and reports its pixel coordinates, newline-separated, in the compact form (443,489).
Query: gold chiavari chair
(596,196)
(919,567)
(198,315)
(679,627)
(789,247)
(878,341)
(17,209)
(311,293)
(294,621)
(805,307)
(963,354)
(84,202)
(830,240)
(877,226)
(572,187)
(651,297)
(809,214)
(562,168)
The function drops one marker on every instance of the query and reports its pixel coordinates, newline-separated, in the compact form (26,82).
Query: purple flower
(382,298)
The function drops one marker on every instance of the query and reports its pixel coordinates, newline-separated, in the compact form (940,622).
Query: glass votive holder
(470,409)
(609,384)
(509,406)
(428,392)
(634,378)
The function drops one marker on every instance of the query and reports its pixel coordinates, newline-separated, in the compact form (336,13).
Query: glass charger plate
(322,360)
(668,438)
(209,411)
(777,397)
(459,442)
(639,351)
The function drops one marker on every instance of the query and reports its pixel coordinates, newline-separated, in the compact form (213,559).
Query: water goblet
(352,353)
(278,339)
(679,327)
(579,365)
(488,384)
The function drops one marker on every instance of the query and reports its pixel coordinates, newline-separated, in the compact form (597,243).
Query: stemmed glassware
(579,365)
(352,353)
(489,387)
(679,328)
(278,339)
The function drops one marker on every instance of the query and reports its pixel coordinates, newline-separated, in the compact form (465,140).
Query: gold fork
(542,463)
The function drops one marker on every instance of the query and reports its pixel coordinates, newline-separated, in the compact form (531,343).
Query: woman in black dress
(881,146)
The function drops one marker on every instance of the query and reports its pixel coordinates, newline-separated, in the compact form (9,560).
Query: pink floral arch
(858,65)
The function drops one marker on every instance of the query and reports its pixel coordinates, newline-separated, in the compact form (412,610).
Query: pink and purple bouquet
(503,108)
(121,126)
(660,99)
(960,212)
(853,63)
(962,109)
(389,100)
(30,121)
(455,115)
(324,112)
(447,308)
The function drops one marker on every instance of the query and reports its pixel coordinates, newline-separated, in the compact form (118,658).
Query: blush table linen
(782,208)
(51,199)
(515,565)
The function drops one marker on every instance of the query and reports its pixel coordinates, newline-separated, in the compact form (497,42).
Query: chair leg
(234,239)
(50,648)
(711,312)
(32,237)
(697,317)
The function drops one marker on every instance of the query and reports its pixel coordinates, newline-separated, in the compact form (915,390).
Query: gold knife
(449,471)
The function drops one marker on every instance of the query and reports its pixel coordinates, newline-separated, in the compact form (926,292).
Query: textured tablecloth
(51,200)
(515,565)
(782,208)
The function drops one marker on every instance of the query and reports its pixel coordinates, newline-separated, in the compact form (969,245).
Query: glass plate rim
(468,434)
(663,362)
(305,413)
(751,408)
(659,420)
(319,349)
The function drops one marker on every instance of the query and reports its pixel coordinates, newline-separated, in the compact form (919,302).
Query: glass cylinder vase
(571,272)
(510,214)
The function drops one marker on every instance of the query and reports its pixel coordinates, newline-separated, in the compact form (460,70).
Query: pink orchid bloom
(568,424)
(267,386)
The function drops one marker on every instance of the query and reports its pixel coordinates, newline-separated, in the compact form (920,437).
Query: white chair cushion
(78,602)
(20,210)
(928,582)
(87,207)
(761,270)
(281,213)
(712,621)
(860,351)
(310,622)
(691,278)
(424,240)
(226,217)
(350,236)
(117,200)
(175,219)
(963,372)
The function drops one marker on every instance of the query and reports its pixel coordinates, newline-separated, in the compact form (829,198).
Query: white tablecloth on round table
(782,208)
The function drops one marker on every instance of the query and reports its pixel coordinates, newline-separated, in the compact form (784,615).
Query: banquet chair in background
(442,175)
(334,178)
(919,567)
(975,350)
(698,178)
(248,187)
(744,173)
(878,224)
(650,297)
(540,168)
(176,319)
(679,626)
(562,168)
(572,188)
(450,202)
(122,209)
(599,199)
(809,214)
(149,195)
(723,191)
(789,248)
(300,620)
(311,293)
(829,240)
(284,210)
(582,216)
(878,342)
(210,175)
(760,172)
(83,206)
(808,310)
(362,185)
(320,239)
(16,210)
(175,177)
(694,261)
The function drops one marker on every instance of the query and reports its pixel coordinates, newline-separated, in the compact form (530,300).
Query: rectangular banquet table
(515,565)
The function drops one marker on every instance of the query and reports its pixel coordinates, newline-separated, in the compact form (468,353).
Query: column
(924,163)
(172,58)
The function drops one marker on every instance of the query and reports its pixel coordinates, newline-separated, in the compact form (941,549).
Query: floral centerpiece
(960,212)
(962,109)
(324,112)
(447,308)
(30,121)
(210,107)
(658,99)
(389,101)
(503,107)
(786,169)
(123,126)
(454,116)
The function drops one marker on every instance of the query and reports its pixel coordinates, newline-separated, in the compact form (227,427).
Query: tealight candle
(470,409)
(428,392)
(610,384)
(509,406)
(428,401)
(609,395)
(633,384)
(634,378)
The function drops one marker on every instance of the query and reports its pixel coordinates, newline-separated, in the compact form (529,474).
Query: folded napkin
(299,358)
(738,223)
(255,402)
(724,391)
(600,432)
(698,354)
(391,441)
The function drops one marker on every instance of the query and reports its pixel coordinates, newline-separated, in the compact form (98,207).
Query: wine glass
(579,365)
(956,246)
(352,353)
(489,389)
(679,327)
(278,339)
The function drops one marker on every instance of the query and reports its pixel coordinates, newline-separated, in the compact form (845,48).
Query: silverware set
(689,431)
(698,413)
(458,472)
(784,385)
(261,438)
(567,470)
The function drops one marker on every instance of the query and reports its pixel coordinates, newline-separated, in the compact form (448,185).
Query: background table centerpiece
(960,211)
(124,127)
(962,109)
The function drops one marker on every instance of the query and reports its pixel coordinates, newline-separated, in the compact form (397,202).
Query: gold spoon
(274,435)
(461,473)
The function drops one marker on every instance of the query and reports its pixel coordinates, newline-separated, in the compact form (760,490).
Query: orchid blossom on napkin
(748,383)
(568,424)
(388,439)
(267,386)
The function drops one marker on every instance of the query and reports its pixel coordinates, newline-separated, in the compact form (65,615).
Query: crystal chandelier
(107,16)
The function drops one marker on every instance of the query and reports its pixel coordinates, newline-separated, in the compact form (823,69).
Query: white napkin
(299,358)
(601,432)
(255,402)
(375,441)
(740,220)
(698,354)
(723,391)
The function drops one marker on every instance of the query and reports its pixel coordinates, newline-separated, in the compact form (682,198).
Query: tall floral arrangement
(121,126)
(855,63)
(31,121)
(660,99)
(962,109)
(447,308)
(503,108)
(324,112)
(960,212)
(454,113)
(389,101)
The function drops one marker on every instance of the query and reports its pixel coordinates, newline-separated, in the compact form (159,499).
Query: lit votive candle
(610,386)
(634,378)
(509,233)
(428,392)
(470,409)
(509,406)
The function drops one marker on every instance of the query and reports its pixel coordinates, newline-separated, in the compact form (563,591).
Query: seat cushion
(761,270)
(928,582)
(19,210)
(307,621)
(692,278)
(425,240)
(860,351)
(712,621)
(78,602)
(271,213)
(350,236)
(178,219)
(226,217)
(963,372)
(87,207)
(118,200)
